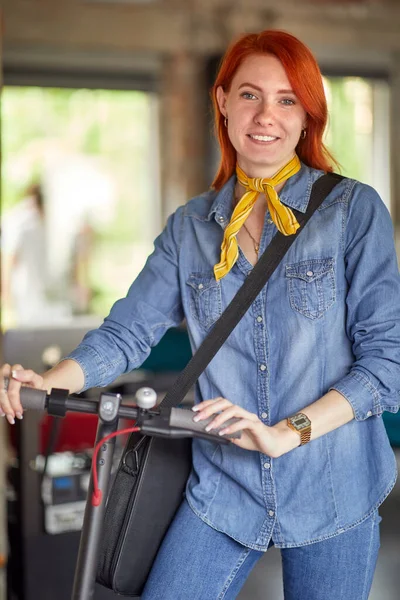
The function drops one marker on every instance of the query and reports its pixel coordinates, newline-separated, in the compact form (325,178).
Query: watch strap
(305,435)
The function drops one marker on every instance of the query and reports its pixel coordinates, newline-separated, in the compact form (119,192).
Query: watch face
(300,421)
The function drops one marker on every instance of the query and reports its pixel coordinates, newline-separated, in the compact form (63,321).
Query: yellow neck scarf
(281,215)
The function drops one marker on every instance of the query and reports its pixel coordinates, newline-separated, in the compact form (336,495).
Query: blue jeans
(195,562)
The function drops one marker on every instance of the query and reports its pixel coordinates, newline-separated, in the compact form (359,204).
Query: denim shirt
(329,318)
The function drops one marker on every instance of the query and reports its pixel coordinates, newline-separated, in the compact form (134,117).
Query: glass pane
(94,156)
(358,131)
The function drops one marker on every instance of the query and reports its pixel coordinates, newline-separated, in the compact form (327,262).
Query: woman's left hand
(255,435)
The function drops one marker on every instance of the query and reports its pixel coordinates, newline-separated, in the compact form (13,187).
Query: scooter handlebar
(179,418)
(183,419)
(31,398)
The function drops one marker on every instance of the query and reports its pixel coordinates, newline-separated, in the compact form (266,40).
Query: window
(358,133)
(95,155)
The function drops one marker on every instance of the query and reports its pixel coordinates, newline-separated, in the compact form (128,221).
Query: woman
(24,254)
(309,369)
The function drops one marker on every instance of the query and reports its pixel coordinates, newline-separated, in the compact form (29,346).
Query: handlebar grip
(31,398)
(183,419)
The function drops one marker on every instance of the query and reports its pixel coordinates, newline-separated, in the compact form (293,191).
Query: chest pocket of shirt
(311,285)
(205,299)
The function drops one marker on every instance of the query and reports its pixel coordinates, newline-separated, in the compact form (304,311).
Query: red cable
(97,494)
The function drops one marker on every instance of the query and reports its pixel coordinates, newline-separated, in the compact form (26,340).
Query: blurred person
(24,259)
(82,250)
(309,369)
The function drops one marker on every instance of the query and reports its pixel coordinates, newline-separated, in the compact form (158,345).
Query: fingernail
(19,415)
(2,413)
(10,419)
(14,374)
(196,418)
(195,408)
(222,432)
(208,428)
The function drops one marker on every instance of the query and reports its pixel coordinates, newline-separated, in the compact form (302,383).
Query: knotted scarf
(281,215)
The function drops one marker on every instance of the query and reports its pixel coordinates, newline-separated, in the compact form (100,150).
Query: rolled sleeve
(362,396)
(373,307)
(93,364)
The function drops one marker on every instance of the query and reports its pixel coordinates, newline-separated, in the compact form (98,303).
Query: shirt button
(264,415)
(221,219)
(259,319)
(200,286)
(310,273)
(271,513)
(369,413)
(269,221)
(267,465)
(263,367)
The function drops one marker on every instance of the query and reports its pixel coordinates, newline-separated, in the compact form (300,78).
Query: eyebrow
(256,87)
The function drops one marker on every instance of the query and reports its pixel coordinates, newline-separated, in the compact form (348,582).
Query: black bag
(151,479)
(150,483)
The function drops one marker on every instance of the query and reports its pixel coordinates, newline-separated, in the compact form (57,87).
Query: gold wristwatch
(302,424)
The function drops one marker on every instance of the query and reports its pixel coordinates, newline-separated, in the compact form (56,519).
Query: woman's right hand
(10,404)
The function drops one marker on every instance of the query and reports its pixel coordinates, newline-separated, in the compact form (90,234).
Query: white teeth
(263,138)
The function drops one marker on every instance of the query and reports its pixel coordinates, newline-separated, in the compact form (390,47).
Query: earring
(226,122)
(303,134)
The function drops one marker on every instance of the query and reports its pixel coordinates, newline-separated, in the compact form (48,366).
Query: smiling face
(265,119)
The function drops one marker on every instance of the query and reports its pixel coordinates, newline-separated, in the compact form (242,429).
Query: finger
(210,410)
(26,376)
(13,390)
(242,424)
(4,372)
(2,397)
(198,407)
(22,377)
(15,369)
(228,413)
(6,407)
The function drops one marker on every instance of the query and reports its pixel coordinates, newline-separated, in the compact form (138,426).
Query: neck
(262,171)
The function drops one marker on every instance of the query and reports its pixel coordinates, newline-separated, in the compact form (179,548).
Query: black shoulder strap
(254,283)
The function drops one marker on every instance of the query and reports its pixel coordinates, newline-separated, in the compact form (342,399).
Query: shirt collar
(222,207)
(295,194)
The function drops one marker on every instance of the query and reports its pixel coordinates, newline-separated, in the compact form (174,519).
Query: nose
(265,115)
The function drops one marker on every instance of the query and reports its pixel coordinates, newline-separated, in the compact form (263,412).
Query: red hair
(306,80)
